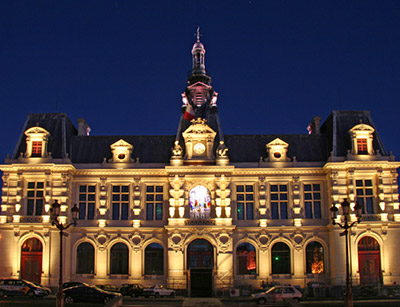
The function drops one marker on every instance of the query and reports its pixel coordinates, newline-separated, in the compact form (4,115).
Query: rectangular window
(36,149)
(154,202)
(312,201)
(279,201)
(120,202)
(35,198)
(87,201)
(365,195)
(362,147)
(245,202)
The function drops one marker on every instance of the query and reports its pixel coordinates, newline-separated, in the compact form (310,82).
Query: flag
(189,113)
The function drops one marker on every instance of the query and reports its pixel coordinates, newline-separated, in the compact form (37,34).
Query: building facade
(200,211)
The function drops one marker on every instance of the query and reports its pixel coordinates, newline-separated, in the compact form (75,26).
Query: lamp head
(75,212)
(358,210)
(334,212)
(346,207)
(55,211)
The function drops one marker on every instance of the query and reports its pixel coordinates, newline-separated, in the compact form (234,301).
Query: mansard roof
(61,132)
(338,125)
(64,140)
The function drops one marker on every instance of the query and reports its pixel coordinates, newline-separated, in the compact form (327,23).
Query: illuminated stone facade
(235,210)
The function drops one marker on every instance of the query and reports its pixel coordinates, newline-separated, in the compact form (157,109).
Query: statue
(177,150)
(221,150)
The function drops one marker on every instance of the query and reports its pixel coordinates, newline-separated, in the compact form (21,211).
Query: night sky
(122,65)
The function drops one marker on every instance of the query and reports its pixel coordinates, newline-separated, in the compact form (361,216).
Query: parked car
(278,294)
(11,287)
(73,284)
(109,288)
(157,291)
(88,294)
(48,290)
(132,290)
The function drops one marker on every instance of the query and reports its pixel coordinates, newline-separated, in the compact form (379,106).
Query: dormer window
(362,137)
(121,151)
(277,150)
(36,142)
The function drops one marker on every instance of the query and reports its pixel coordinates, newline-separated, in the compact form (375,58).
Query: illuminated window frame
(120,202)
(245,202)
(315,262)
(312,200)
(200,202)
(365,195)
(154,202)
(87,201)
(279,201)
(35,198)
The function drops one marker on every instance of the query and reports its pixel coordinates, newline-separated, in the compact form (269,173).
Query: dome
(198,45)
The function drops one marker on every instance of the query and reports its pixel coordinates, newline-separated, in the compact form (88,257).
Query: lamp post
(54,214)
(346,226)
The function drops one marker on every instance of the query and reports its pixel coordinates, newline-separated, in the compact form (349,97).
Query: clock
(199,148)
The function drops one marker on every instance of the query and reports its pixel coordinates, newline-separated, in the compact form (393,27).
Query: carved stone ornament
(224,241)
(297,240)
(136,241)
(176,241)
(16,231)
(102,240)
(177,151)
(263,240)
(222,149)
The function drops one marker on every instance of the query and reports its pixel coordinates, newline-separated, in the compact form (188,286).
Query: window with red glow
(36,149)
(362,147)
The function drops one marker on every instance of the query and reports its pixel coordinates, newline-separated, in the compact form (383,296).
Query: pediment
(363,128)
(199,127)
(121,144)
(36,130)
(277,143)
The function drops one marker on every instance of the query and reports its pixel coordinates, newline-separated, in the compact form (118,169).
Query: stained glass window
(200,202)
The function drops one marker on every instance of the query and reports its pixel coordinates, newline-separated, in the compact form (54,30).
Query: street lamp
(346,226)
(54,214)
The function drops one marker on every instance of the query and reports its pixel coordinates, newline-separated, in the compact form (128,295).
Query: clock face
(199,148)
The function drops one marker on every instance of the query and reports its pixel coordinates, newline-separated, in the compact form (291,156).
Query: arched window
(314,258)
(369,261)
(280,254)
(119,259)
(200,202)
(85,258)
(32,245)
(154,259)
(246,259)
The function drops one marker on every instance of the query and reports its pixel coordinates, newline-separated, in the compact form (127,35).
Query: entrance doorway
(369,263)
(200,260)
(31,260)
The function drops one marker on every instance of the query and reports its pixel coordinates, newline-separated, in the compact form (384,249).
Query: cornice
(37,167)
(361,164)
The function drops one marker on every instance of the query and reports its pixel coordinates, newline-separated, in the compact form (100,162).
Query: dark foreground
(179,301)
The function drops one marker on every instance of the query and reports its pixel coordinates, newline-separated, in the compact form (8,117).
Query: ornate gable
(121,151)
(199,141)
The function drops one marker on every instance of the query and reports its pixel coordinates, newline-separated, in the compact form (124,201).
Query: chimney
(83,127)
(315,125)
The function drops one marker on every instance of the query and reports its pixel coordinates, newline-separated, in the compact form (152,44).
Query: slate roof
(61,132)
(337,127)
(157,148)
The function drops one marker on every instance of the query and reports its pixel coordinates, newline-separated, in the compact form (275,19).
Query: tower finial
(198,33)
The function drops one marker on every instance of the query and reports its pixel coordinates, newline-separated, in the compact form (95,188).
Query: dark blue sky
(122,65)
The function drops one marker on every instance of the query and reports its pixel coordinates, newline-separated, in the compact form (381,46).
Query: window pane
(274,210)
(240,211)
(240,188)
(82,188)
(249,188)
(82,211)
(149,211)
(125,189)
(116,189)
(115,213)
(159,189)
(124,211)
(39,185)
(92,188)
(90,211)
(284,211)
(249,211)
(159,211)
(150,189)
(308,210)
(317,209)
(39,207)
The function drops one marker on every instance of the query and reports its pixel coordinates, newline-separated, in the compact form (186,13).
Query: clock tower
(199,131)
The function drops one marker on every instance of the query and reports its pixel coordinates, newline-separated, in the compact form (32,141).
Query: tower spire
(198,72)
